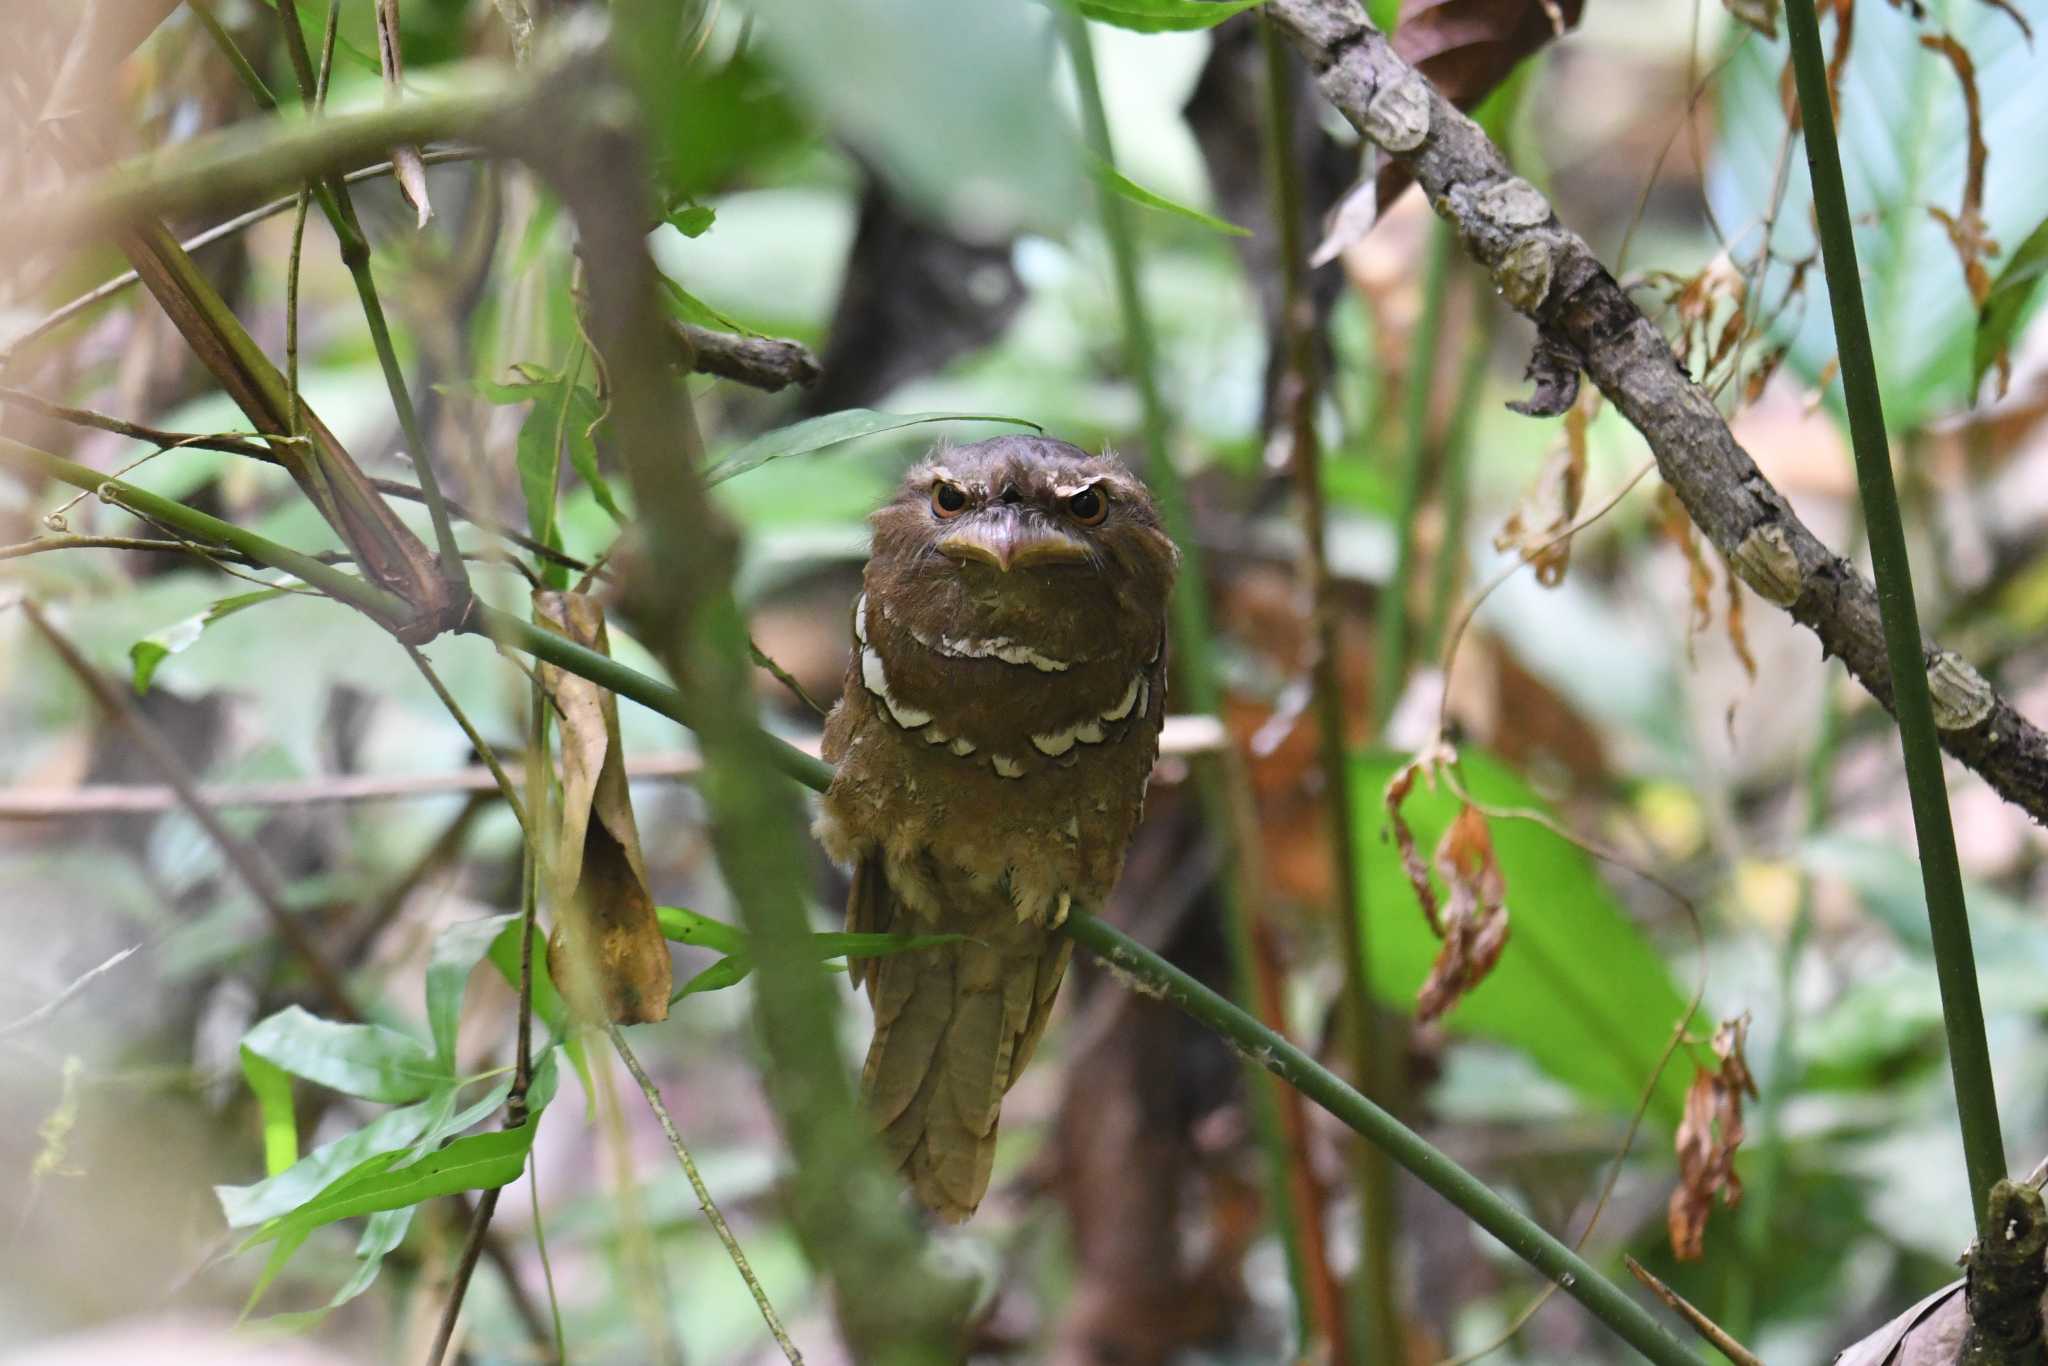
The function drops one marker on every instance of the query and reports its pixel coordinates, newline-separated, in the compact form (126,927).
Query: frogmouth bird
(999,722)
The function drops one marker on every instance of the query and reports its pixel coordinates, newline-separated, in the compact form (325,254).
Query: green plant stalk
(339,207)
(1267,1048)
(1367,1042)
(1954,960)
(1452,488)
(1390,664)
(1193,642)
(1522,1235)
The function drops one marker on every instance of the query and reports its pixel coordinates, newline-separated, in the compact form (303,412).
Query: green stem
(1371,1059)
(1522,1235)
(1266,1047)
(339,208)
(1954,961)
(1451,488)
(1390,665)
(1192,639)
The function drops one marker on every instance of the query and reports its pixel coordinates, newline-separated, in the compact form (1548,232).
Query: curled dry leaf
(1475,917)
(607,952)
(409,168)
(1838,58)
(1708,1135)
(1928,1334)
(1536,527)
(1966,228)
(1761,15)
(1424,765)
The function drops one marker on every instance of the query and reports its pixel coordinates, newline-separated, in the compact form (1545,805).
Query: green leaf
(540,466)
(531,379)
(153,649)
(693,221)
(2006,306)
(726,972)
(687,927)
(1163,16)
(272,1087)
(829,429)
(357,1059)
(477,1162)
(548,1005)
(581,435)
(1138,194)
(1385,15)
(457,950)
(393,1131)
(692,309)
(1579,988)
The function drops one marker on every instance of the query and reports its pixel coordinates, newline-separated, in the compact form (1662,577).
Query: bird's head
(1022,535)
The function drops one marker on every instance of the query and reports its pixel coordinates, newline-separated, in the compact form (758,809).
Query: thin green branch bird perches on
(999,722)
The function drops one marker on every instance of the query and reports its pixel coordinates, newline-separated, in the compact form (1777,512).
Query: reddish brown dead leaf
(1708,1134)
(2007,8)
(607,951)
(1467,48)
(1676,524)
(1966,227)
(1423,765)
(1738,633)
(411,171)
(1475,917)
(1534,528)
(1838,58)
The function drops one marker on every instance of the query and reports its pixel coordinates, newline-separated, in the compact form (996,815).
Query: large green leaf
(2008,304)
(358,1059)
(1904,148)
(829,429)
(1579,988)
(1163,16)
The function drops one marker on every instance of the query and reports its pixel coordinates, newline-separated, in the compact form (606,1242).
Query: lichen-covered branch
(1546,271)
(768,363)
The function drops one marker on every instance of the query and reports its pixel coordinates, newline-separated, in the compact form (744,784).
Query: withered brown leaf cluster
(1535,528)
(1472,922)
(1708,1134)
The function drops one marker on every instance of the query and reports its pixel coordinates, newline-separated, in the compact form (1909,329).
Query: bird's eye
(948,499)
(1088,507)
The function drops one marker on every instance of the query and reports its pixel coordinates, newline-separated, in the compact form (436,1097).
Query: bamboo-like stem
(1521,1234)
(1300,385)
(239,223)
(1194,649)
(1954,960)
(705,1203)
(1452,488)
(339,207)
(1391,659)
(1266,1046)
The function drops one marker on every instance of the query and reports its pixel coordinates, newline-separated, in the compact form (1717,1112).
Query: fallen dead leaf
(1708,1134)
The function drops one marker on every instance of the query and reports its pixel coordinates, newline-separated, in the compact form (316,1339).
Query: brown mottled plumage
(1000,718)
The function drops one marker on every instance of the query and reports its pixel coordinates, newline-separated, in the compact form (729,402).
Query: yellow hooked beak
(1008,542)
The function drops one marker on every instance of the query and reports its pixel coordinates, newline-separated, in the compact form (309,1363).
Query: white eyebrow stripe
(1069,490)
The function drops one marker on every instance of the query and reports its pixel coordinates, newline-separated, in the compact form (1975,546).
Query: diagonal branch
(1549,273)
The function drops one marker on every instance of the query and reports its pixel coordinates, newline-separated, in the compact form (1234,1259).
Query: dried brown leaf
(1738,633)
(2007,8)
(1838,58)
(1534,528)
(406,164)
(1676,524)
(1967,231)
(1709,1132)
(607,949)
(1468,47)
(1423,765)
(1475,918)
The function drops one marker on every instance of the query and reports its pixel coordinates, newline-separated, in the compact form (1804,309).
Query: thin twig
(56,1003)
(484,750)
(1715,1335)
(704,1200)
(784,677)
(239,223)
(248,864)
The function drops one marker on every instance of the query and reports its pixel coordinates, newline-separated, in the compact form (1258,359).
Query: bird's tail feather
(954,1026)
